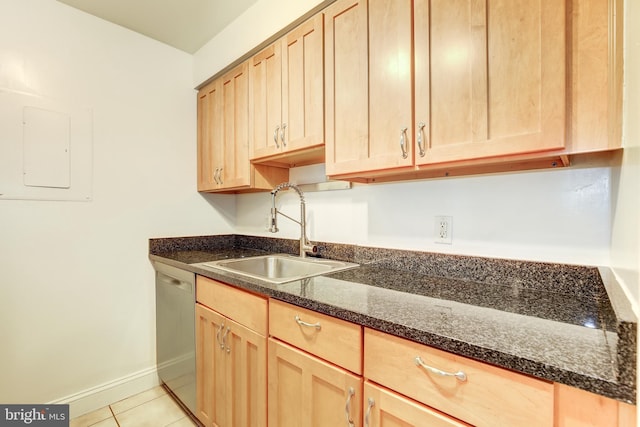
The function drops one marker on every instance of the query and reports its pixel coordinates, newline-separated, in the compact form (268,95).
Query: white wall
(625,244)
(76,293)
(556,215)
(625,241)
(261,21)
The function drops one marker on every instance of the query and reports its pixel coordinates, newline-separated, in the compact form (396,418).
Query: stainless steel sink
(280,268)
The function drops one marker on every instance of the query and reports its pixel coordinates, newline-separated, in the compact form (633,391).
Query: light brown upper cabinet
(223,137)
(223,140)
(287,98)
(474,79)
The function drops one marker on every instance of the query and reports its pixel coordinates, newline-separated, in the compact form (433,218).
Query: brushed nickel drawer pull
(461,376)
(347,407)
(309,325)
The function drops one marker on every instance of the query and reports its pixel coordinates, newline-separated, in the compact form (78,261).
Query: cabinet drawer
(335,340)
(489,396)
(245,308)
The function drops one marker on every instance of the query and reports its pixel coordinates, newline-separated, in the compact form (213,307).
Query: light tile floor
(153,408)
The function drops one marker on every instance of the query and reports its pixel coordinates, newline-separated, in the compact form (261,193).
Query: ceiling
(183,24)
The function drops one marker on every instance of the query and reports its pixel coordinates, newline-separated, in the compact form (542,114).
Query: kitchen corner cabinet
(223,137)
(489,81)
(287,97)
(231,356)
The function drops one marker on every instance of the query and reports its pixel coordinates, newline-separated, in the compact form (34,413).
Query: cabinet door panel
(246,368)
(390,88)
(303,85)
(235,99)
(209,135)
(388,409)
(210,369)
(347,86)
(305,390)
(490,77)
(266,100)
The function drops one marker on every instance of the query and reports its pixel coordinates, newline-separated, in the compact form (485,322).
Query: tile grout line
(114,416)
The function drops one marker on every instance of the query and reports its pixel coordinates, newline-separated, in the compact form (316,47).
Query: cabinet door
(210,367)
(266,101)
(303,85)
(235,131)
(390,85)
(304,390)
(346,86)
(246,370)
(210,156)
(579,408)
(489,77)
(384,408)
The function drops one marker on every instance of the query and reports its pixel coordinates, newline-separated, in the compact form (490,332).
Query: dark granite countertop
(562,323)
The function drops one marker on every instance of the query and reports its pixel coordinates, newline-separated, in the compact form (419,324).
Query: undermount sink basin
(279,268)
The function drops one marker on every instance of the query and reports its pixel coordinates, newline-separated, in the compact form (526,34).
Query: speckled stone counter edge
(569,279)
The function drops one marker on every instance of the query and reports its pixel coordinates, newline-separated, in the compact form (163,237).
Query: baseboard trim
(112,391)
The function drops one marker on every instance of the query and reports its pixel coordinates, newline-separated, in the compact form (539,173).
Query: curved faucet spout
(305,245)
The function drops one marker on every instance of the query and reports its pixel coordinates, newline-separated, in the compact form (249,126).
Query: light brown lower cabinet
(579,408)
(472,391)
(384,408)
(303,375)
(231,367)
(307,391)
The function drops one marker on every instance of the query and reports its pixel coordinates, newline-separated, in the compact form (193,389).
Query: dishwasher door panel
(175,332)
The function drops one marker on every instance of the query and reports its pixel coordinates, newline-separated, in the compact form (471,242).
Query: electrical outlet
(443,229)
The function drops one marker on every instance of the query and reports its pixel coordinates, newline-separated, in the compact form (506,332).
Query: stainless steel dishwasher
(175,332)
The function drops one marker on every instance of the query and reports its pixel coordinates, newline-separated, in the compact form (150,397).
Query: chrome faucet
(305,244)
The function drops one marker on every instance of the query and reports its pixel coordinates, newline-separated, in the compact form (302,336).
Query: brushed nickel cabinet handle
(421,126)
(284,142)
(218,335)
(275,136)
(370,404)
(460,375)
(224,340)
(403,142)
(347,407)
(308,325)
